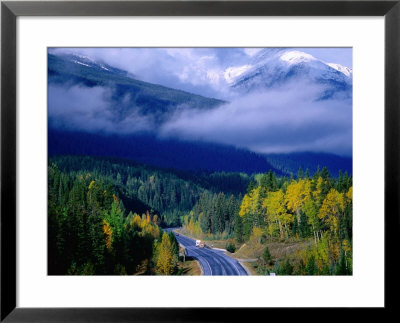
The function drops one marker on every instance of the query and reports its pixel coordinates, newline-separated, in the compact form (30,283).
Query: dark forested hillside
(163,153)
(289,164)
(90,232)
(105,214)
(142,188)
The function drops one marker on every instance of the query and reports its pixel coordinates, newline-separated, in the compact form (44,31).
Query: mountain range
(273,67)
(126,94)
(134,104)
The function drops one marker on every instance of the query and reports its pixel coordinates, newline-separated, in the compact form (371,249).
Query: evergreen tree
(267,256)
(311,267)
(238,228)
(300,173)
(286,269)
(251,186)
(303,226)
(342,268)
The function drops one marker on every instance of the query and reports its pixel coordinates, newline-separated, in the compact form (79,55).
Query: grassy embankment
(188,266)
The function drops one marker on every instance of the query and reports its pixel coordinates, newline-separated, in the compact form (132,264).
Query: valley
(135,203)
(251,154)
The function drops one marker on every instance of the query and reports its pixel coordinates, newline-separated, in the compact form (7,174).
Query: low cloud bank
(276,121)
(284,120)
(79,108)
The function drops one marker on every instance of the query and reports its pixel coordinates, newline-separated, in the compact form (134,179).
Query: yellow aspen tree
(296,195)
(311,211)
(143,221)
(251,204)
(331,208)
(276,211)
(245,205)
(148,219)
(334,249)
(136,221)
(155,219)
(318,189)
(349,196)
(165,256)
(148,229)
(107,234)
(255,237)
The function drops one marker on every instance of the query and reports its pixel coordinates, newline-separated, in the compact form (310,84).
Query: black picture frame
(10,10)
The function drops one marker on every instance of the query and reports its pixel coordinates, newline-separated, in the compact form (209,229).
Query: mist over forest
(244,149)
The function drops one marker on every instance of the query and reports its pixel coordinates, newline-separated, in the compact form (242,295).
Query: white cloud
(252,51)
(283,120)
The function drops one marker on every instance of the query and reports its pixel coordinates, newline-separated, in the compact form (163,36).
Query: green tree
(342,267)
(286,269)
(267,256)
(238,228)
(311,267)
(251,186)
(300,173)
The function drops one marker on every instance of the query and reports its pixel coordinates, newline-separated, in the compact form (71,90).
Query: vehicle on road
(200,244)
(212,261)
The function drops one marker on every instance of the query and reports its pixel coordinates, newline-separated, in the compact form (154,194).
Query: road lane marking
(217,257)
(206,252)
(227,261)
(201,258)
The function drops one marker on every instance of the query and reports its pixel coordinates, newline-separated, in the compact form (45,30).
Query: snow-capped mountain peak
(343,69)
(296,57)
(275,67)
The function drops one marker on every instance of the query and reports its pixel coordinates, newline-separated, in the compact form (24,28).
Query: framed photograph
(144,142)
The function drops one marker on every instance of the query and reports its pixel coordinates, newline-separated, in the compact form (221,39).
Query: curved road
(214,262)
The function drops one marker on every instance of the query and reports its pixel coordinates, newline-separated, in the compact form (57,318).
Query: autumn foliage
(282,209)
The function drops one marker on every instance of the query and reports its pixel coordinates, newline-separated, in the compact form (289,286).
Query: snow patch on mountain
(233,72)
(84,57)
(78,62)
(88,61)
(343,69)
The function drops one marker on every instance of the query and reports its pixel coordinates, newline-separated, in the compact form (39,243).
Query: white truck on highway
(199,243)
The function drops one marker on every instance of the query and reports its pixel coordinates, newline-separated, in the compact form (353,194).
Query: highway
(214,262)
